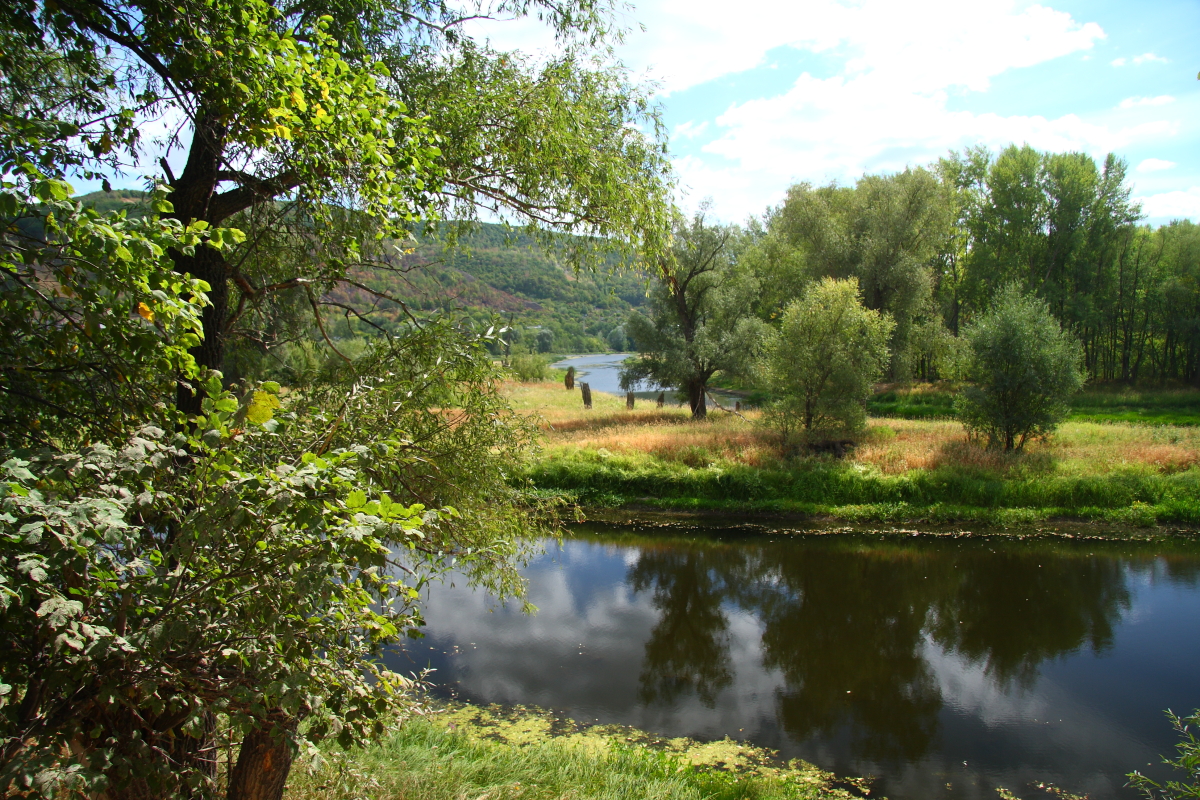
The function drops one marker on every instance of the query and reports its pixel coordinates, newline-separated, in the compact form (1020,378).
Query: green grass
(425,760)
(1134,495)
(1155,407)
(1103,404)
(912,405)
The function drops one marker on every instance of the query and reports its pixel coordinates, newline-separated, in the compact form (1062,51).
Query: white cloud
(689,129)
(839,128)
(1133,102)
(1184,204)
(1154,165)
(689,42)
(1137,61)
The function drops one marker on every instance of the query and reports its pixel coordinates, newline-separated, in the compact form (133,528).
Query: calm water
(944,666)
(601,371)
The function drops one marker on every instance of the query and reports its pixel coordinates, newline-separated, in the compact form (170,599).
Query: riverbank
(900,470)
(464,751)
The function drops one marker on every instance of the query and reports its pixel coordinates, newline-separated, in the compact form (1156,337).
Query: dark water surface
(944,666)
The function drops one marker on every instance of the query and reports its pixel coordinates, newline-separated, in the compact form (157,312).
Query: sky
(761,94)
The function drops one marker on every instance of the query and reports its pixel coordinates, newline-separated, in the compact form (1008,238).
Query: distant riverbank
(899,470)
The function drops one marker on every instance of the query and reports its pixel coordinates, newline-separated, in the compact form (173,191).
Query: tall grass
(425,760)
(899,469)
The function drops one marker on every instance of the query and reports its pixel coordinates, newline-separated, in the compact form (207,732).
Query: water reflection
(966,662)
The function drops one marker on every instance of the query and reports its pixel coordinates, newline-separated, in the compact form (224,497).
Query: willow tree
(701,317)
(218,561)
(327,130)
(886,232)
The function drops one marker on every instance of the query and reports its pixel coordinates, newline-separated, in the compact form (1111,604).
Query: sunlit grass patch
(471,752)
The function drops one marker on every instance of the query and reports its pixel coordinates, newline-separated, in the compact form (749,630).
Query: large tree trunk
(264,761)
(192,197)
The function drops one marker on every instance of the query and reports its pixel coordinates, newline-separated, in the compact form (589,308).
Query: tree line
(932,253)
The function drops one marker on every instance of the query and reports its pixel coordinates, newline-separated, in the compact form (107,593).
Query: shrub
(826,356)
(1024,368)
(529,367)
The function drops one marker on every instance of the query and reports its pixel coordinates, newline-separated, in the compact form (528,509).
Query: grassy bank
(927,470)
(1104,404)
(469,752)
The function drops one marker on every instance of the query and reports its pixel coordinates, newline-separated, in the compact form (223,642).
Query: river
(942,665)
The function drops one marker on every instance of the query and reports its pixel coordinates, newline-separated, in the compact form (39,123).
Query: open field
(900,469)
(469,752)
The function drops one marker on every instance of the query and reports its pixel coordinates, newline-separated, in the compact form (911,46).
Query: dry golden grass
(893,446)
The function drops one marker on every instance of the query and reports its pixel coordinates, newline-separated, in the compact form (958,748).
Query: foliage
(1188,761)
(529,367)
(700,315)
(884,231)
(95,325)
(824,359)
(328,132)
(1024,368)
(257,582)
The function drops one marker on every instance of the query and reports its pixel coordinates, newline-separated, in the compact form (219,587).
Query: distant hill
(493,272)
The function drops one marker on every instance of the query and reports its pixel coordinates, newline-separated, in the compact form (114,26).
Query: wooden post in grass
(587,394)
(569,381)
(662,398)
(629,401)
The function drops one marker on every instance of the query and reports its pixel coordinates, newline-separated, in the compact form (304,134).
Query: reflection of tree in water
(688,649)
(847,622)
(845,630)
(1012,609)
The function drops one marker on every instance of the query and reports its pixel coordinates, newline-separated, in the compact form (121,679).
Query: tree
(1024,367)
(327,131)
(823,361)
(886,231)
(701,315)
(617,339)
(165,563)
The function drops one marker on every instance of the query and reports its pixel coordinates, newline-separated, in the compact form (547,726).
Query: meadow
(899,469)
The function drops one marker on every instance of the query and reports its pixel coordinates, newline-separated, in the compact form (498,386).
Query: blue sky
(760,94)
(763,95)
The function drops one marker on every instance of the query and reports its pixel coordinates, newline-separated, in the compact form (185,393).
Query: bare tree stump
(662,398)
(587,394)
(629,401)
(569,381)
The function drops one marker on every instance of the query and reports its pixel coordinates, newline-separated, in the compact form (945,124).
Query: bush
(529,367)
(826,356)
(1024,368)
